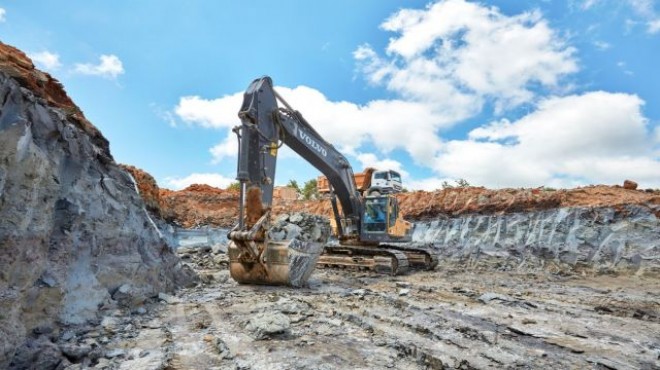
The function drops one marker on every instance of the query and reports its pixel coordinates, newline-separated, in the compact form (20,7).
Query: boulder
(266,324)
(630,185)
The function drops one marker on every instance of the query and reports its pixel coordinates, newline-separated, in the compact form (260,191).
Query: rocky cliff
(73,228)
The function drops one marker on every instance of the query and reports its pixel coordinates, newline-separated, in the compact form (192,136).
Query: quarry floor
(448,318)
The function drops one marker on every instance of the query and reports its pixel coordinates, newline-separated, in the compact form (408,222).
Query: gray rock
(266,324)
(75,352)
(110,324)
(404,292)
(282,218)
(68,335)
(277,235)
(296,218)
(292,231)
(168,298)
(129,296)
(48,279)
(490,296)
(114,352)
(141,311)
(37,353)
(222,349)
(219,249)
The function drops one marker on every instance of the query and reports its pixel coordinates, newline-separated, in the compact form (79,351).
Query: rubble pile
(205,257)
(303,226)
(73,228)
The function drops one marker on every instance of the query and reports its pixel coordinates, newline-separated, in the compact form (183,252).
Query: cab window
(380,175)
(395,176)
(375,214)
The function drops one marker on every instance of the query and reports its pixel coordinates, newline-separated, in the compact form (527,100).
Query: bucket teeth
(282,263)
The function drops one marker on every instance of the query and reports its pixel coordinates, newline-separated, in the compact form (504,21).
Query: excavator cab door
(397,227)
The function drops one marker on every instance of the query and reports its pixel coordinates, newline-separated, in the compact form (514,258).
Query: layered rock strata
(73,228)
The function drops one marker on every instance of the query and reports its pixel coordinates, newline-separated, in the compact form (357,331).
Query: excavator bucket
(281,263)
(255,259)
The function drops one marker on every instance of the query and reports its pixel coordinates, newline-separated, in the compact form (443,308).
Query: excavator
(370,230)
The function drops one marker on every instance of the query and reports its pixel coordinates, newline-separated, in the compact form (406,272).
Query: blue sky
(501,93)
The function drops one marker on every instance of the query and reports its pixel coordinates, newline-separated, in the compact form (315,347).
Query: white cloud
(216,113)
(595,137)
(212,179)
(654,26)
(586,4)
(109,66)
(344,124)
(3,12)
(371,160)
(602,45)
(644,12)
(456,53)
(46,60)
(227,148)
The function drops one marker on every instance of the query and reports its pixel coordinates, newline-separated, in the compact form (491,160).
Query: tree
(309,190)
(294,184)
(462,183)
(236,186)
(446,185)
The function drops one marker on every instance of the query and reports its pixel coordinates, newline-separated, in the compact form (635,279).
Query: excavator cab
(381,220)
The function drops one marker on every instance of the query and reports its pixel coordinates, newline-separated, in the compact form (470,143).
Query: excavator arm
(265,126)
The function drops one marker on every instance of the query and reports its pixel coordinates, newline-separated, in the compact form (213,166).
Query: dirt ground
(447,318)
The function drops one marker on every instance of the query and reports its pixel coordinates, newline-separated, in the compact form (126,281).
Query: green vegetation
(309,190)
(234,186)
(460,183)
(294,184)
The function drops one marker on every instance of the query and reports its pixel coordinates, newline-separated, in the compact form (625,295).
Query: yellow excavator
(370,230)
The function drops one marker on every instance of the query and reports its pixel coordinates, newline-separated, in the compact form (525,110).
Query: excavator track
(380,259)
(420,256)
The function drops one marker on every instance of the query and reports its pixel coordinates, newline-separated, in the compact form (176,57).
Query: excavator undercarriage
(388,259)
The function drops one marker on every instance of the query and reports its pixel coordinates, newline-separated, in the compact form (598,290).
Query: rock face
(73,228)
(608,237)
(148,188)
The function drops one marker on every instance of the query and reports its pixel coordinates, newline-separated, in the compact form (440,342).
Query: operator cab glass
(395,176)
(381,175)
(375,214)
